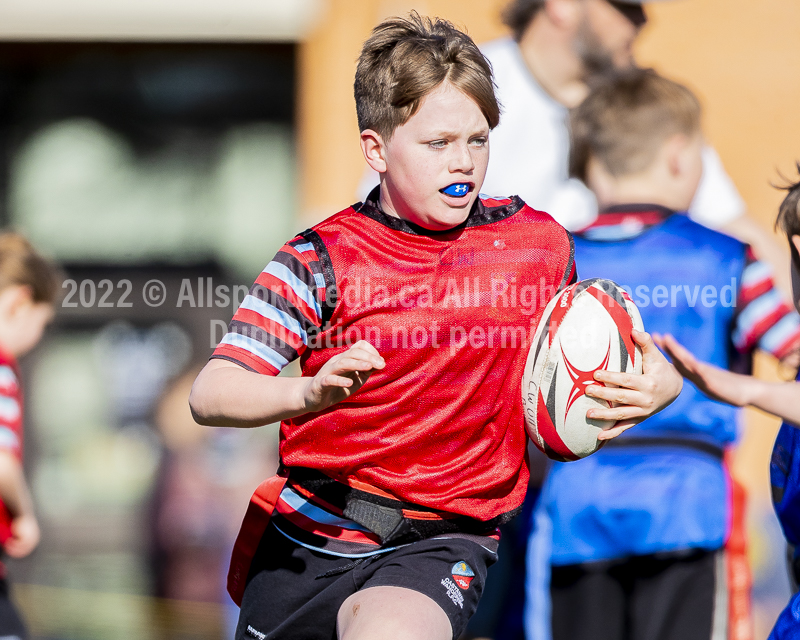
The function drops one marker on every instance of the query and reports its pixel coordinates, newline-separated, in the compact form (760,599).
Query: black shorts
(295,593)
(641,598)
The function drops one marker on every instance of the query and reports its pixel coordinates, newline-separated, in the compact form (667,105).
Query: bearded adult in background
(557,48)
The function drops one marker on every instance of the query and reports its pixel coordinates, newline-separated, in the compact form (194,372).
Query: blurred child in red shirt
(28,289)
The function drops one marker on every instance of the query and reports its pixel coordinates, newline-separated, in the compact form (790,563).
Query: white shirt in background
(529,151)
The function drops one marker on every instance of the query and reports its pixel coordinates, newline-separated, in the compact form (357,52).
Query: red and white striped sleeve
(764,319)
(272,326)
(10,411)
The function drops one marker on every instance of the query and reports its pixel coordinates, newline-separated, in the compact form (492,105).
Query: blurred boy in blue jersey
(781,399)
(637,532)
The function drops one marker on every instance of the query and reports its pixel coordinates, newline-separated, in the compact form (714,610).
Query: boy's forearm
(779,398)
(229,396)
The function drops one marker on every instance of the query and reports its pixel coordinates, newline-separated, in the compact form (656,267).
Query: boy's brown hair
(20,264)
(405,59)
(625,119)
(789,216)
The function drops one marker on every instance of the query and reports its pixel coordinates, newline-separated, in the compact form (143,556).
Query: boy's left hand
(24,538)
(636,397)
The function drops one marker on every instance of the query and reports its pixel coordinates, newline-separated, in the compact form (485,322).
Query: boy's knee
(392,613)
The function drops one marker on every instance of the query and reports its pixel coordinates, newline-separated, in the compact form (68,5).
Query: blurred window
(132,153)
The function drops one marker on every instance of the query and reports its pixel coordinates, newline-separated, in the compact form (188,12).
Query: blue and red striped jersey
(764,320)
(662,487)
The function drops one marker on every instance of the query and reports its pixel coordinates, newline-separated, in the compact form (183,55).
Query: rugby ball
(586,327)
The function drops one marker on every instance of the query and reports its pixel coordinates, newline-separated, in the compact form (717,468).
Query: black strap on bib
(385,517)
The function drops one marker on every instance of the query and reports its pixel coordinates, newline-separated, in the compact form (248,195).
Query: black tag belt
(385,517)
(708,448)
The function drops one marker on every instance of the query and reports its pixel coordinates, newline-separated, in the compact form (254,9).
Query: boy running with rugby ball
(403,444)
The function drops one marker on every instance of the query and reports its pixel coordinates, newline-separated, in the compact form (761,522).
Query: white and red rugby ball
(584,328)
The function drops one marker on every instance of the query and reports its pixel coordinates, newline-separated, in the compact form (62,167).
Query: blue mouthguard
(457,189)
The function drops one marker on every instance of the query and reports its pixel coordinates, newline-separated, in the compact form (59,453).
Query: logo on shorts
(462,574)
(253,633)
(453,592)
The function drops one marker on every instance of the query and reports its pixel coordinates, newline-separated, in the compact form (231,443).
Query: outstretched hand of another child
(717,383)
(778,398)
(342,376)
(636,397)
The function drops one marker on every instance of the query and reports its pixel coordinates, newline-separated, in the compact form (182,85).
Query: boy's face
(444,146)
(22,320)
(36,317)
